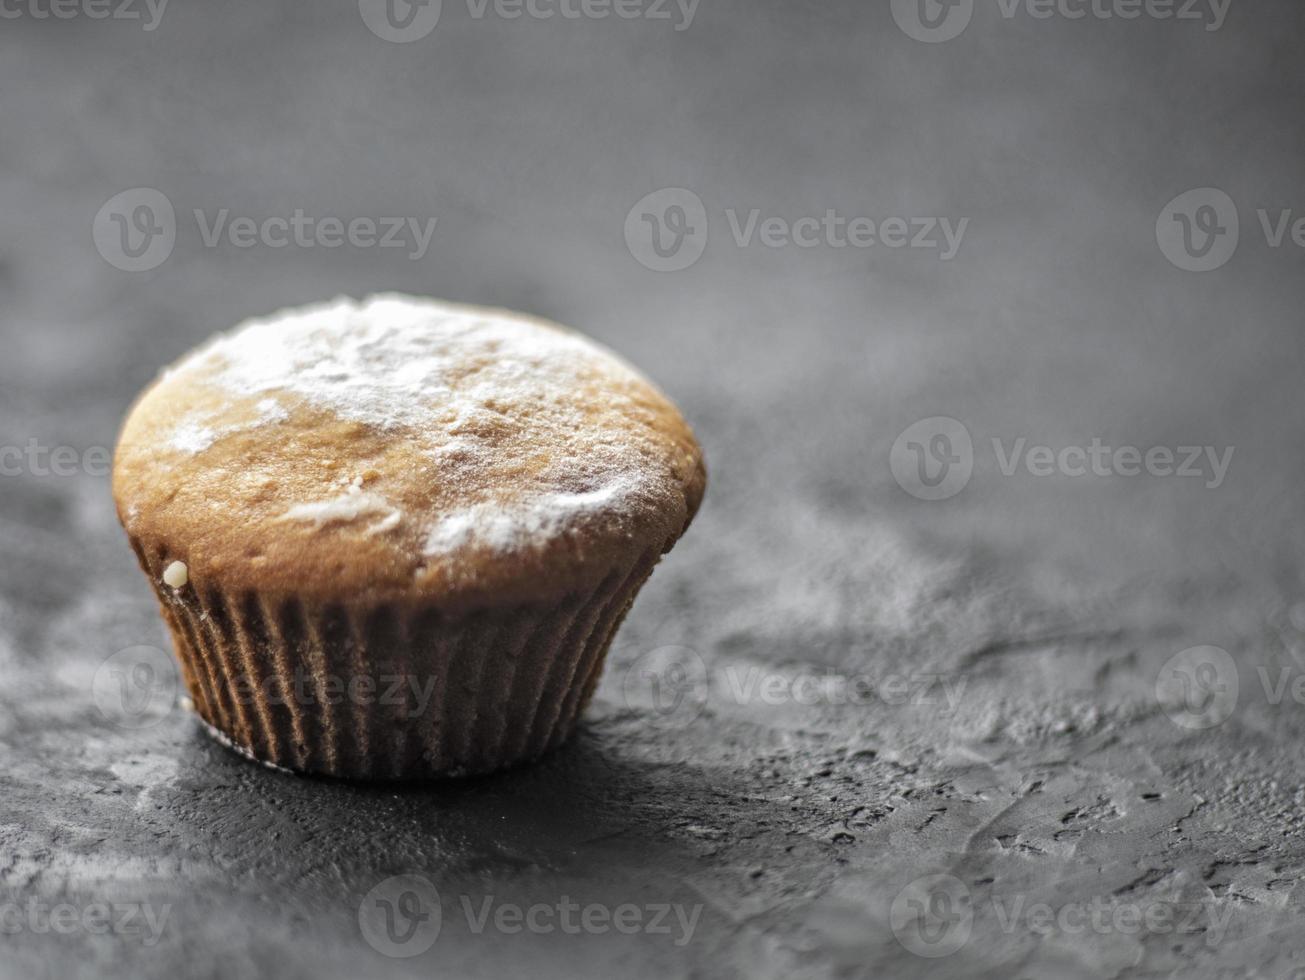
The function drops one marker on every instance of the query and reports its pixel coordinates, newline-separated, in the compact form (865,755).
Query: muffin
(394,539)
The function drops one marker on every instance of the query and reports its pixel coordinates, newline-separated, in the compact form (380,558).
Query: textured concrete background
(1018,736)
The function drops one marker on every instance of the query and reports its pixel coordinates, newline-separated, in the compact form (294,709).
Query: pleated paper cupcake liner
(390,692)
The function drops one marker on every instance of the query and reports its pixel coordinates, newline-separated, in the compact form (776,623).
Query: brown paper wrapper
(388,692)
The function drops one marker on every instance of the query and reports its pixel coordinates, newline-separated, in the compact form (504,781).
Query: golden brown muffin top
(404,449)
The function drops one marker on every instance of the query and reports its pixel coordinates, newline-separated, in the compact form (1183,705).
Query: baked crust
(404,451)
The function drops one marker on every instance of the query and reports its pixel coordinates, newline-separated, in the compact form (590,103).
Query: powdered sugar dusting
(191,437)
(270,410)
(501,528)
(393,361)
(509,411)
(194,435)
(350,507)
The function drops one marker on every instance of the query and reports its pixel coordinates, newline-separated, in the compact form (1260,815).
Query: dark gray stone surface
(1039,768)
